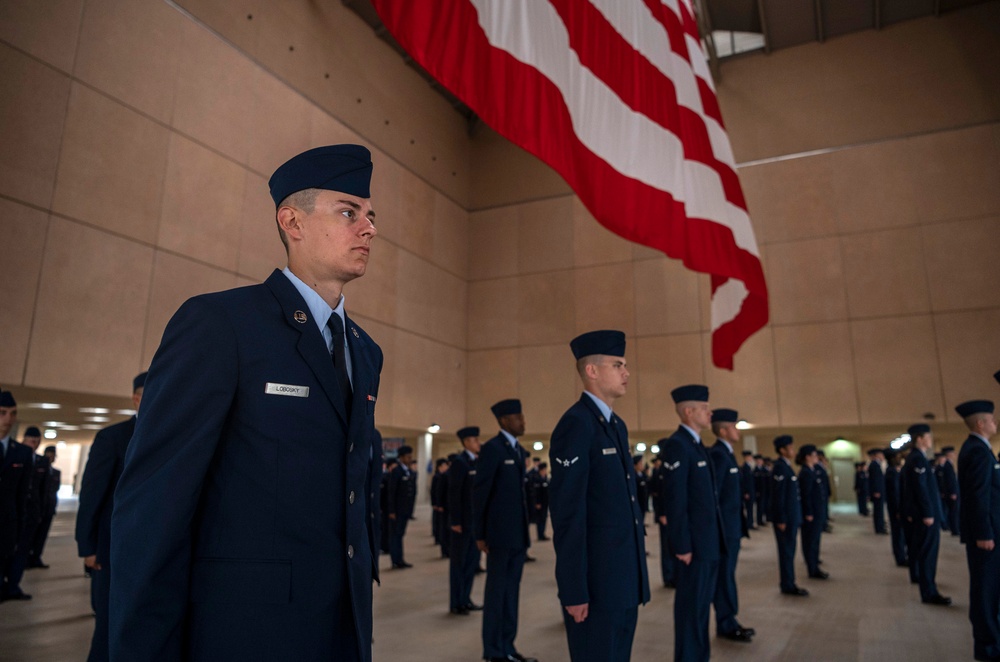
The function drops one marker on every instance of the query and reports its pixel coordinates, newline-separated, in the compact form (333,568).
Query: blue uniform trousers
(786,555)
(100,591)
(898,536)
(696,584)
(463,561)
(984,599)
(541,521)
(398,530)
(926,540)
(748,508)
(811,532)
(862,503)
(909,531)
(18,561)
(605,636)
(878,514)
(503,585)
(951,516)
(726,602)
(668,562)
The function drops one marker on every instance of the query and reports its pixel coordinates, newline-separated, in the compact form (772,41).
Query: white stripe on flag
(606,126)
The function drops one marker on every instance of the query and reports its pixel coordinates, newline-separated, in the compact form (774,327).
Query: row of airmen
(29,487)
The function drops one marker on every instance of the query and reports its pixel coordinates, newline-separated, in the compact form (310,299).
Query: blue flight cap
(610,343)
(971,407)
(873,451)
(782,441)
(32,432)
(506,407)
(344,168)
(747,453)
(465,433)
(807,449)
(636,459)
(890,453)
(7,399)
(917,430)
(440,461)
(996,376)
(725,416)
(139,381)
(404,450)
(948,449)
(690,393)
(49,448)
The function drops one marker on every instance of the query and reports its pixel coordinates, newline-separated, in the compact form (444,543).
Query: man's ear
(290,220)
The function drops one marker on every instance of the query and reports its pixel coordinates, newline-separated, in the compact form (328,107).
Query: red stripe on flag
(526,107)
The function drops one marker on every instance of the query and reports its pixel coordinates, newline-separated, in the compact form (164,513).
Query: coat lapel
(311,345)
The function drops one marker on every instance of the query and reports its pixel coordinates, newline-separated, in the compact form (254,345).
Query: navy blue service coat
(15,480)
(500,509)
(243,523)
(596,517)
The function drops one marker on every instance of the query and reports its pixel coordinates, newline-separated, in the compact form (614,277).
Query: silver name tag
(508,461)
(286,389)
(609,451)
(734,470)
(472,473)
(701,463)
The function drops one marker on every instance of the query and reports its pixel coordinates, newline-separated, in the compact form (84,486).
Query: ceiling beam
(763,25)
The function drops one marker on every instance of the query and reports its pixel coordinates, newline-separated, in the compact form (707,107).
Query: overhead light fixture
(51,434)
(640,447)
(655,449)
(434,428)
(43,405)
(125,412)
(98,419)
(52,424)
(899,441)
(743,425)
(91,426)
(538,446)
(94,410)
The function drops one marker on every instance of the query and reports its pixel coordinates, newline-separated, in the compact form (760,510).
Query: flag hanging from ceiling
(616,96)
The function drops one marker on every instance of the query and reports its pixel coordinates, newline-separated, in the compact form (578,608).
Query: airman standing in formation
(786,513)
(463,557)
(734,524)
(894,506)
(596,520)
(500,524)
(749,490)
(813,500)
(694,524)
(876,487)
(922,510)
(979,484)
(400,499)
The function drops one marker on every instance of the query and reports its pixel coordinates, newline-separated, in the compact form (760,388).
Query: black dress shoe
(480,570)
(37,564)
(544,538)
(472,606)
(750,631)
(937,600)
(529,559)
(670,584)
(461,611)
(520,658)
(402,566)
(819,574)
(20,595)
(739,634)
(796,591)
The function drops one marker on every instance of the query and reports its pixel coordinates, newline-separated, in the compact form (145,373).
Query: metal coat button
(350,551)
(350,497)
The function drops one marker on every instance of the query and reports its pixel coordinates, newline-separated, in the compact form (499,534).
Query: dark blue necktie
(340,360)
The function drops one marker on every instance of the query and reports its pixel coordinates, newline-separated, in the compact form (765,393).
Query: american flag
(616,96)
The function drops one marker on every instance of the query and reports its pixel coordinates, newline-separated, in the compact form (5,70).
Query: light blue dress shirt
(602,405)
(321,312)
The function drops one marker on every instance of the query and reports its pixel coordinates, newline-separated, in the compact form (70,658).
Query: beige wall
(139,136)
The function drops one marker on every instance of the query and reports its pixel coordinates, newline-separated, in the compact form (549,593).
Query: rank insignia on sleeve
(567,463)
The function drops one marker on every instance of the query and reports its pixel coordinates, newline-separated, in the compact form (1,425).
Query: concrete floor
(867,611)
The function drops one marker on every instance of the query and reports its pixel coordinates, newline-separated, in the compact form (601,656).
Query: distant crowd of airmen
(703,502)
